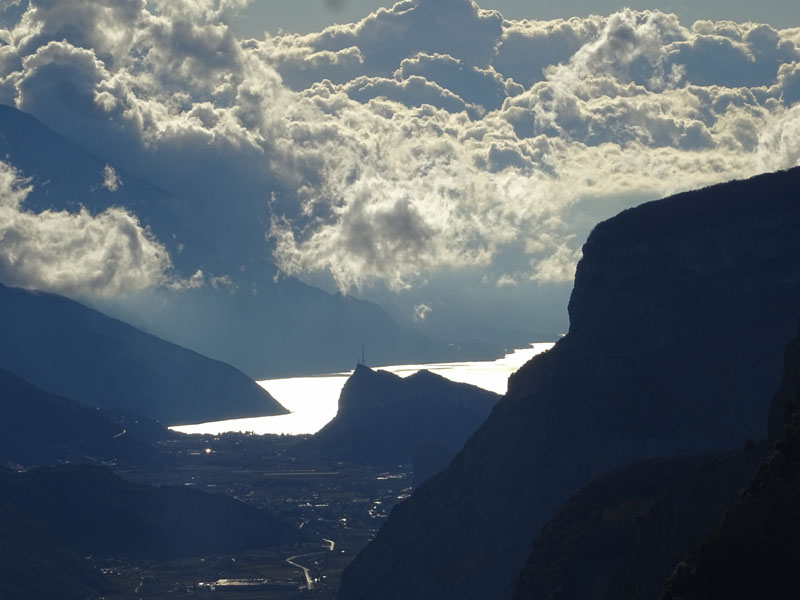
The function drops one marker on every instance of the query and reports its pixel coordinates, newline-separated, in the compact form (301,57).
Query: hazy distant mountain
(66,177)
(95,512)
(384,418)
(245,314)
(272,328)
(679,316)
(70,350)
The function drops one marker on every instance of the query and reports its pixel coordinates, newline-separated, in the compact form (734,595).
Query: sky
(432,156)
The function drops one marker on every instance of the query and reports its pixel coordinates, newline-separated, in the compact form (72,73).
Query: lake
(313,401)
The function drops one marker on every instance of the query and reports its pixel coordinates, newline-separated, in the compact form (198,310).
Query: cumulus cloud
(76,254)
(505,280)
(429,136)
(556,266)
(619,106)
(111,181)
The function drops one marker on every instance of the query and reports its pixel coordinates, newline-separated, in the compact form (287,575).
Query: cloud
(789,83)
(558,266)
(412,91)
(779,144)
(421,311)
(428,137)
(527,48)
(505,280)
(475,86)
(111,181)
(619,106)
(77,254)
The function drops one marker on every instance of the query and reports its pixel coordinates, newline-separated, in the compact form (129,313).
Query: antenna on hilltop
(363,355)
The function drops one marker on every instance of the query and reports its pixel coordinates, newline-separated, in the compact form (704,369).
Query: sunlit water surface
(313,401)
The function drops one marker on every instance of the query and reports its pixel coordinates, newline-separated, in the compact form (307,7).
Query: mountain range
(678,318)
(70,350)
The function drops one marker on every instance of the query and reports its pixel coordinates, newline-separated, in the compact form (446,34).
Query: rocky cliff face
(622,535)
(383,418)
(787,400)
(619,537)
(754,551)
(679,315)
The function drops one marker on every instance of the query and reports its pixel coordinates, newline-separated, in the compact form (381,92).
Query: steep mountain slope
(34,565)
(383,418)
(754,551)
(429,459)
(39,428)
(621,535)
(671,349)
(250,317)
(93,511)
(73,351)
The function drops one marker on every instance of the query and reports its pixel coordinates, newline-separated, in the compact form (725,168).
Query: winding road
(291,560)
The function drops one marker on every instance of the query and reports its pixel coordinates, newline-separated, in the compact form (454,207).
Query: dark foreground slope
(754,552)
(95,512)
(383,418)
(620,536)
(68,349)
(679,316)
(34,565)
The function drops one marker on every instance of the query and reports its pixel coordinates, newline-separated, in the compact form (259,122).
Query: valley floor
(340,507)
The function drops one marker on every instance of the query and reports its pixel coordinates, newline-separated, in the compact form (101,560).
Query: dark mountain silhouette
(754,552)
(263,322)
(429,459)
(34,565)
(620,536)
(383,418)
(37,427)
(81,505)
(678,318)
(68,349)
